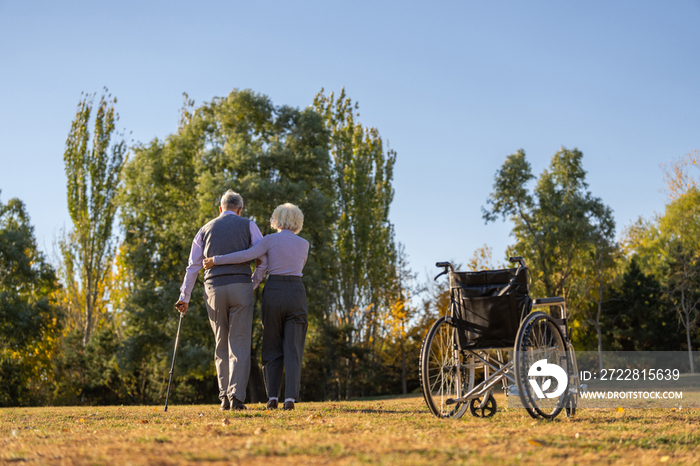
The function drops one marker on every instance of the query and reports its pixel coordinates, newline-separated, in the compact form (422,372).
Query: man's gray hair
(232,199)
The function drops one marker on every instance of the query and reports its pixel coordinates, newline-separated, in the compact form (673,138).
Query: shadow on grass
(382,411)
(389,397)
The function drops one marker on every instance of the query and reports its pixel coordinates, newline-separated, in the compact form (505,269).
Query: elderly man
(229,295)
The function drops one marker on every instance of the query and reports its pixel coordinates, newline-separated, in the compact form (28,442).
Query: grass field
(389,431)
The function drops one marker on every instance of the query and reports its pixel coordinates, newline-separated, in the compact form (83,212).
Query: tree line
(110,330)
(96,325)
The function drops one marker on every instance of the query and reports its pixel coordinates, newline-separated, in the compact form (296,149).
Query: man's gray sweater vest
(223,235)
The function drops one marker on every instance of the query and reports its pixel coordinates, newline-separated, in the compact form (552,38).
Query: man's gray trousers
(230,309)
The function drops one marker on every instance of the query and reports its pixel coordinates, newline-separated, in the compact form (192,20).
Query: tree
(401,312)
(275,155)
(93,173)
(270,155)
(636,318)
(668,247)
(363,236)
(29,318)
(554,225)
(603,259)
(482,259)
(678,177)
(679,238)
(640,239)
(321,159)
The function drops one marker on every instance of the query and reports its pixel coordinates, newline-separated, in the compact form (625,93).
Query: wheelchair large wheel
(441,371)
(540,348)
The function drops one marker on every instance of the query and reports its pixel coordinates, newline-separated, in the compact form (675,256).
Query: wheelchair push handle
(518,259)
(511,283)
(446,265)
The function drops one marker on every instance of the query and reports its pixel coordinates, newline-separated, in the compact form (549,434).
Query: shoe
(235,404)
(225,405)
(272,404)
(288,405)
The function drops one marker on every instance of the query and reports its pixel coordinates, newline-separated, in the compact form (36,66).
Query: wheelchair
(464,355)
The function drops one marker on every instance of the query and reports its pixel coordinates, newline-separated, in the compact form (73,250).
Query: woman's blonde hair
(287,217)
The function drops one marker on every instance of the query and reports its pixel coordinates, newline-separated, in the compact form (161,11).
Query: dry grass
(392,431)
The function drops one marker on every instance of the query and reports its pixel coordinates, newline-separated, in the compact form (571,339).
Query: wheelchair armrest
(548,301)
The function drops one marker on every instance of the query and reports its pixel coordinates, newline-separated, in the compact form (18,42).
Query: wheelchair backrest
(489,306)
(490,282)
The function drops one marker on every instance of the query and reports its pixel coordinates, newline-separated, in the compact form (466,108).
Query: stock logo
(544,369)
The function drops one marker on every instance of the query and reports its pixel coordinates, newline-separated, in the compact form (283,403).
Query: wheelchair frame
(455,375)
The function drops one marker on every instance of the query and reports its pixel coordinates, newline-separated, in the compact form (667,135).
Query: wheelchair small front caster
(487,411)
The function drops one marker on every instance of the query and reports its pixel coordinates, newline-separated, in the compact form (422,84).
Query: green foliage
(28,315)
(603,261)
(93,175)
(362,176)
(636,318)
(88,373)
(159,222)
(556,225)
(668,247)
(679,237)
(270,155)
(366,287)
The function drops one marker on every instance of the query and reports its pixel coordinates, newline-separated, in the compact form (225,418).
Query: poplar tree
(93,168)
(362,171)
(366,283)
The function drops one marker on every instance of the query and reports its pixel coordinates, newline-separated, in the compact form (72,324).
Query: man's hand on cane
(181,306)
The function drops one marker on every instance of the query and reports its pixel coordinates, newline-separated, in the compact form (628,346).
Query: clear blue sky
(453,86)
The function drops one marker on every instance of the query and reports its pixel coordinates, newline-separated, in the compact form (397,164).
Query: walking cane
(172,367)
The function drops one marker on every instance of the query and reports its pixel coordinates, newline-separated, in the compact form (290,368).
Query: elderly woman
(284,307)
